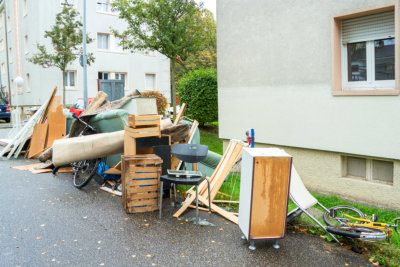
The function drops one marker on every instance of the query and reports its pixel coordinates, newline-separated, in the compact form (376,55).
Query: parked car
(5,113)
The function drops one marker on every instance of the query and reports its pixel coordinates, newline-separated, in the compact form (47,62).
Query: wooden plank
(40,171)
(66,170)
(269,196)
(138,189)
(27,167)
(43,117)
(132,183)
(113,171)
(56,101)
(57,125)
(145,202)
(97,102)
(142,209)
(38,140)
(180,114)
(143,169)
(134,175)
(118,166)
(228,215)
(129,145)
(200,208)
(144,195)
(225,201)
(109,190)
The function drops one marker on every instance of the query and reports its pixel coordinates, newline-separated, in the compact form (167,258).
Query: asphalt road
(45,221)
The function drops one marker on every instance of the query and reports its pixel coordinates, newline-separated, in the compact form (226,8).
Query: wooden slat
(57,125)
(26,167)
(135,175)
(97,102)
(146,202)
(228,215)
(225,201)
(113,171)
(134,168)
(147,117)
(143,209)
(132,183)
(129,145)
(180,114)
(138,189)
(38,140)
(40,171)
(144,195)
(66,170)
(46,109)
(145,130)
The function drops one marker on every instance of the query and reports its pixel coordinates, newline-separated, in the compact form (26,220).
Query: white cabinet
(264,193)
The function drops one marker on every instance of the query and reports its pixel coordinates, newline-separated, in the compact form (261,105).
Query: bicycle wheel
(340,219)
(358,232)
(84,171)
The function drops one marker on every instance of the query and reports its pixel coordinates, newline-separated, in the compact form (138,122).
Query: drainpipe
(3,7)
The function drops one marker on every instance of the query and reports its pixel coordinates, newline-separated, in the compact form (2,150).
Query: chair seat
(196,180)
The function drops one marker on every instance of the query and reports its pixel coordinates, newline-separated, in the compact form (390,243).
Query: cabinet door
(269,197)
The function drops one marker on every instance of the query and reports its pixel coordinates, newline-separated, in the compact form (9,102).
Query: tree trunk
(63,83)
(173,89)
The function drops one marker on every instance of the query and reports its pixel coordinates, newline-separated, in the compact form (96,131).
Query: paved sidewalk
(45,221)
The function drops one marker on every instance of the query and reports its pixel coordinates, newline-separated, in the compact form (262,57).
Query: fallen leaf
(42,225)
(53,260)
(181,223)
(99,248)
(85,217)
(99,242)
(126,219)
(55,245)
(146,224)
(182,255)
(38,237)
(212,241)
(75,240)
(102,264)
(43,253)
(122,229)
(148,256)
(221,229)
(227,223)
(133,256)
(327,251)
(346,264)
(153,264)
(63,241)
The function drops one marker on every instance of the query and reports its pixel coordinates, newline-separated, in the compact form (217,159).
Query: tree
(206,57)
(66,38)
(167,26)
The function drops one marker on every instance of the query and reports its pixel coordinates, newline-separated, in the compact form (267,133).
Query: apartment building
(22,26)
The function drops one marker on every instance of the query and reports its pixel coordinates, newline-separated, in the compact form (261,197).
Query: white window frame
(108,73)
(68,86)
(370,83)
(28,83)
(3,68)
(155,81)
(1,44)
(10,55)
(106,3)
(126,78)
(108,41)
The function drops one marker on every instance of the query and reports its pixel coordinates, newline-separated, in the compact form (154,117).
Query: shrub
(160,99)
(199,90)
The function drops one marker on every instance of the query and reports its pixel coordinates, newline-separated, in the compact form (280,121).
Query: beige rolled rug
(68,150)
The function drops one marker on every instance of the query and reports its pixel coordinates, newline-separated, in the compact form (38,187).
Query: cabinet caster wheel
(276,245)
(243,237)
(252,245)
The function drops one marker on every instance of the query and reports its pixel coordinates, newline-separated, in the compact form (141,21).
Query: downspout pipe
(3,7)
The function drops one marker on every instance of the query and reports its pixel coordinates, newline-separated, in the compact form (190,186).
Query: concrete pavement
(45,221)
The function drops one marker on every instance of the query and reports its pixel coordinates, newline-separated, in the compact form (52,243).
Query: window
(117,44)
(103,41)
(8,24)
(28,83)
(3,68)
(10,55)
(103,5)
(103,75)
(150,82)
(1,45)
(25,8)
(26,44)
(368,52)
(69,79)
(363,52)
(368,169)
(122,77)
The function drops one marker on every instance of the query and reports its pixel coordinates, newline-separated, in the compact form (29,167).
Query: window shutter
(367,28)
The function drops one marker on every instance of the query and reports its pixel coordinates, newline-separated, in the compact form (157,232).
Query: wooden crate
(140,182)
(140,121)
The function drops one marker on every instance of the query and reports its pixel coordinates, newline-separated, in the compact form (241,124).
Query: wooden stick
(225,201)
(200,208)
(221,193)
(228,215)
(180,114)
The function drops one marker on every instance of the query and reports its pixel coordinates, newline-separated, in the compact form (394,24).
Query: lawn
(385,254)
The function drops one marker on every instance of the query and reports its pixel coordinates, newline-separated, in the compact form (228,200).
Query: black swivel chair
(191,153)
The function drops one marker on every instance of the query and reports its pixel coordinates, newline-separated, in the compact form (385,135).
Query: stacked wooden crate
(140,182)
(140,126)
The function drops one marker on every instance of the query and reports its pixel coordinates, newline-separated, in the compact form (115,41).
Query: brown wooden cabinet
(264,193)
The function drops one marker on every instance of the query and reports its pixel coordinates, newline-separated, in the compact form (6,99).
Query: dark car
(5,113)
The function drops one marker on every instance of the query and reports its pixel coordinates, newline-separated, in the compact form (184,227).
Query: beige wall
(321,171)
(274,75)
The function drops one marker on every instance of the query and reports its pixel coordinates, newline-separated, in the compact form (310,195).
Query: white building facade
(319,79)
(22,26)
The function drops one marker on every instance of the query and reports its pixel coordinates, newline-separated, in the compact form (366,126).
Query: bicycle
(343,220)
(85,170)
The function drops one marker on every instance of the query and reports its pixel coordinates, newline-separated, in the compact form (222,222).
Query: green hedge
(199,90)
